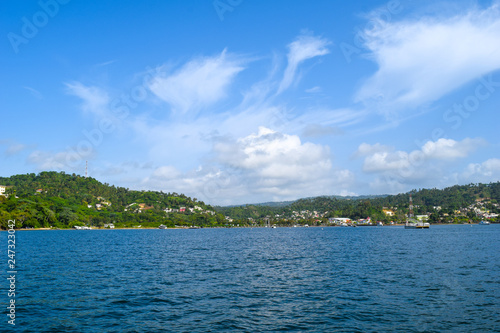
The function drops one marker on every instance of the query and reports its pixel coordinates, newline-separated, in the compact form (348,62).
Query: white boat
(411,223)
(416,225)
(82,227)
(162,226)
(380,224)
(484,222)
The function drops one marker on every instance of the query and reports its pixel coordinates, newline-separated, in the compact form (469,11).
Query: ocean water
(365,279)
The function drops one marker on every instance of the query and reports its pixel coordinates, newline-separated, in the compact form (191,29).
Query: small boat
(416,225)
(484,222)
(411,223)
(380,224)
(162,226)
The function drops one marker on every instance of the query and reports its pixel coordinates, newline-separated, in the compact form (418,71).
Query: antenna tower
(410,215)
(87,167)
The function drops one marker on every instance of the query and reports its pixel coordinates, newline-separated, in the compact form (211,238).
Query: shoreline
(248,227)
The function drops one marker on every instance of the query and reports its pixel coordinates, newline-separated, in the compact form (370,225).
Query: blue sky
(239,101)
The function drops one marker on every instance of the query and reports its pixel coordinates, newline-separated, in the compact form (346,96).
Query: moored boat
(411,223)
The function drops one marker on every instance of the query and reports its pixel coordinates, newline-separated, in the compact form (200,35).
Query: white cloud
(487,171)
(66,160)
(270,154)
(432,165)
(35,93)
(381,158)
(314,90)
(447,149)
(262,166)
(166,173)
(365,149)
(198,83)
(94,99)
(15,148)
(303,48)
(279,164)
(420,61)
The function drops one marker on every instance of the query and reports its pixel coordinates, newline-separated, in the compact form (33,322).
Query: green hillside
(59,200)
(456,204)
(62,201)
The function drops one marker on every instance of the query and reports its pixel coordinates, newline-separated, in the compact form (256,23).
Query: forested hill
(456,203)
(59,200)
(62,200)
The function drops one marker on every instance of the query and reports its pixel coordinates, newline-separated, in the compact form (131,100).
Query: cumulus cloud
(447,149)
(487,171)
(432,165)
(262,166)
(199,83)
(269,154)
(281,165)
(420,61)
(381,158)
(303,48)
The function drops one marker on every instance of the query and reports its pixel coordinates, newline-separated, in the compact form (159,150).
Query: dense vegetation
(62,201)
(451,204)
(59,200)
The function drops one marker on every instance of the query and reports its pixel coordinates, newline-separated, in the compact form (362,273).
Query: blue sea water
(365,279)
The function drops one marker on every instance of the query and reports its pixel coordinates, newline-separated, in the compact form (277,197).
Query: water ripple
(444,279)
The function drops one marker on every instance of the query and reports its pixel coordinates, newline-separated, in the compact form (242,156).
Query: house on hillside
(388,212)
(3,188)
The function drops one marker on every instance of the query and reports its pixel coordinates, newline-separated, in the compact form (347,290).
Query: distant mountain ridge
(289,202)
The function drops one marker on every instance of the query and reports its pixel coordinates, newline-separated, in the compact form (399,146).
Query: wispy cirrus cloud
(63,160)
(94,99)
(421,60)
(303,48)
(35,93)
(199,83)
